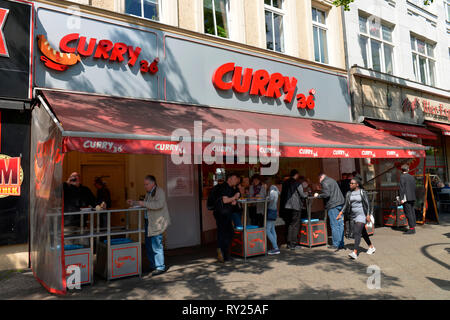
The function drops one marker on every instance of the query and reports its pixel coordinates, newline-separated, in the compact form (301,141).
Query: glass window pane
(314,14)
(363,46)
(278,26)
(320,16)
(268,2)
(420,46)
(221,18)
(387,33)
(432,73)
(430,50)
(414,57)
(323,46)
(316,44)
(448,11)
(376,57)
(388,57)
(133,7)
(151,10)
(422,68)
(208,16)
(362,24)
(413,43)
(374,28)
(269,31)
(278,4)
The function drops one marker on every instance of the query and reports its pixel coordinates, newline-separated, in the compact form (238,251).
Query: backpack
(213,198)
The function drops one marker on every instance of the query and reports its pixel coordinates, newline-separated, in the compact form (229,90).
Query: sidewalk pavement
(412,267)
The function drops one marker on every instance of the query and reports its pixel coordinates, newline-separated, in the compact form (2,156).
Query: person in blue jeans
(334,200)
(157,219)
(272,214)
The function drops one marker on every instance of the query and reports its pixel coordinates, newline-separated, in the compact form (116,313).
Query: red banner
(104,145)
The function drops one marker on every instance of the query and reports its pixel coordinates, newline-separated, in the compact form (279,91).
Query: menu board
(180,179)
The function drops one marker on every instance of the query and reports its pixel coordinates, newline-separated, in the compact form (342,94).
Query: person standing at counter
(272,214)
(334,200)
(291,206)
(358,207)
(157,219)
(76,196)
(257,190)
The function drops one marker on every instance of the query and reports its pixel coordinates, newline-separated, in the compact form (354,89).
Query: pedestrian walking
(357,206)
(407,192)
(272,215)
(291,208)
(334,200)
(157,219)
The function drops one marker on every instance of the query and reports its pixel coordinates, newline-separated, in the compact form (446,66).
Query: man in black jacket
(291,208)
(334,200)
(76,196)
(408,197)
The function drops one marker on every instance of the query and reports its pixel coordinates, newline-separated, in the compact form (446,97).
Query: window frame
(416,55)
(369,37)
(281,12)
(321,26)
(227,9)
(159,4)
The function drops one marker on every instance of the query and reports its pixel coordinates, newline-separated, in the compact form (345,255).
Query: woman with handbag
(357,206)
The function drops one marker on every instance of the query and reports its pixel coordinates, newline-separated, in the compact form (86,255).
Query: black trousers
(292,221)
(359,229)
(224,233)
(410,213)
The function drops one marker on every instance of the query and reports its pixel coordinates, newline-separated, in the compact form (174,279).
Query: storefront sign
(261,83)
(73,47)
(11,176)
(432,110)
(16,25)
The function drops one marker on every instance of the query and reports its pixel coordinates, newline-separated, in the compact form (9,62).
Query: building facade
(399,59)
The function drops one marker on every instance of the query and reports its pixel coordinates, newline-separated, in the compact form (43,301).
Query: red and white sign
(3,47)
(11,176)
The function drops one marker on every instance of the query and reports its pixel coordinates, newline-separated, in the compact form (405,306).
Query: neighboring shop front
(405,109)
(16,19)
(122,99)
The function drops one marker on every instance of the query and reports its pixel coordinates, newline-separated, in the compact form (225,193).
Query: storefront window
(143,8)
(216,17)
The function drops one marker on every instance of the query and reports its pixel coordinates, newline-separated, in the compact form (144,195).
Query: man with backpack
(291,208)
(223,201)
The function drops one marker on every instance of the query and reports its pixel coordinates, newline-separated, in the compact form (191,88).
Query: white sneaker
(353,255)
(371,250)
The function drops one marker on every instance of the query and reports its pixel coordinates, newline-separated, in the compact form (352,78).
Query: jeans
(337,227)
(155,250)
(271,233)
(237,219)
(360,230)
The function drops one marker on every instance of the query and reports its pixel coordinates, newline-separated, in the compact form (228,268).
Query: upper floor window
(320,35)
(447,4)
(215,16)
(274,14)
(424,63)
(149,9)
(375,42)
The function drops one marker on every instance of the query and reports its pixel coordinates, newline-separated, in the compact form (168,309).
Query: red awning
(93,123)
(445,128)
(402,130)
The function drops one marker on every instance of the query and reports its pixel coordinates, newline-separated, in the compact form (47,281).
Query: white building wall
(408,16)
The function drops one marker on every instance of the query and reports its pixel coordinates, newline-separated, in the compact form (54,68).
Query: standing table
(252,242)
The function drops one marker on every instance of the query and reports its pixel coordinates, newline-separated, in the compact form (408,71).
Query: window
(320,36)
(375,43)
(274,13)
(216,18)
(447,4)
(424,64)
(149,9)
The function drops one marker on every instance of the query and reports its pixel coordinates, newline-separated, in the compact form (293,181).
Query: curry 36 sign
(73,47)
(11,176)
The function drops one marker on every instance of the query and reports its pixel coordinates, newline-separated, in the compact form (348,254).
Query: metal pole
(265,226)
(244,234)
(309,223)
(91,240)
(108,236)
(140,244)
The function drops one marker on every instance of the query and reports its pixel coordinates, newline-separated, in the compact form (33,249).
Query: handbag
(372,221)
